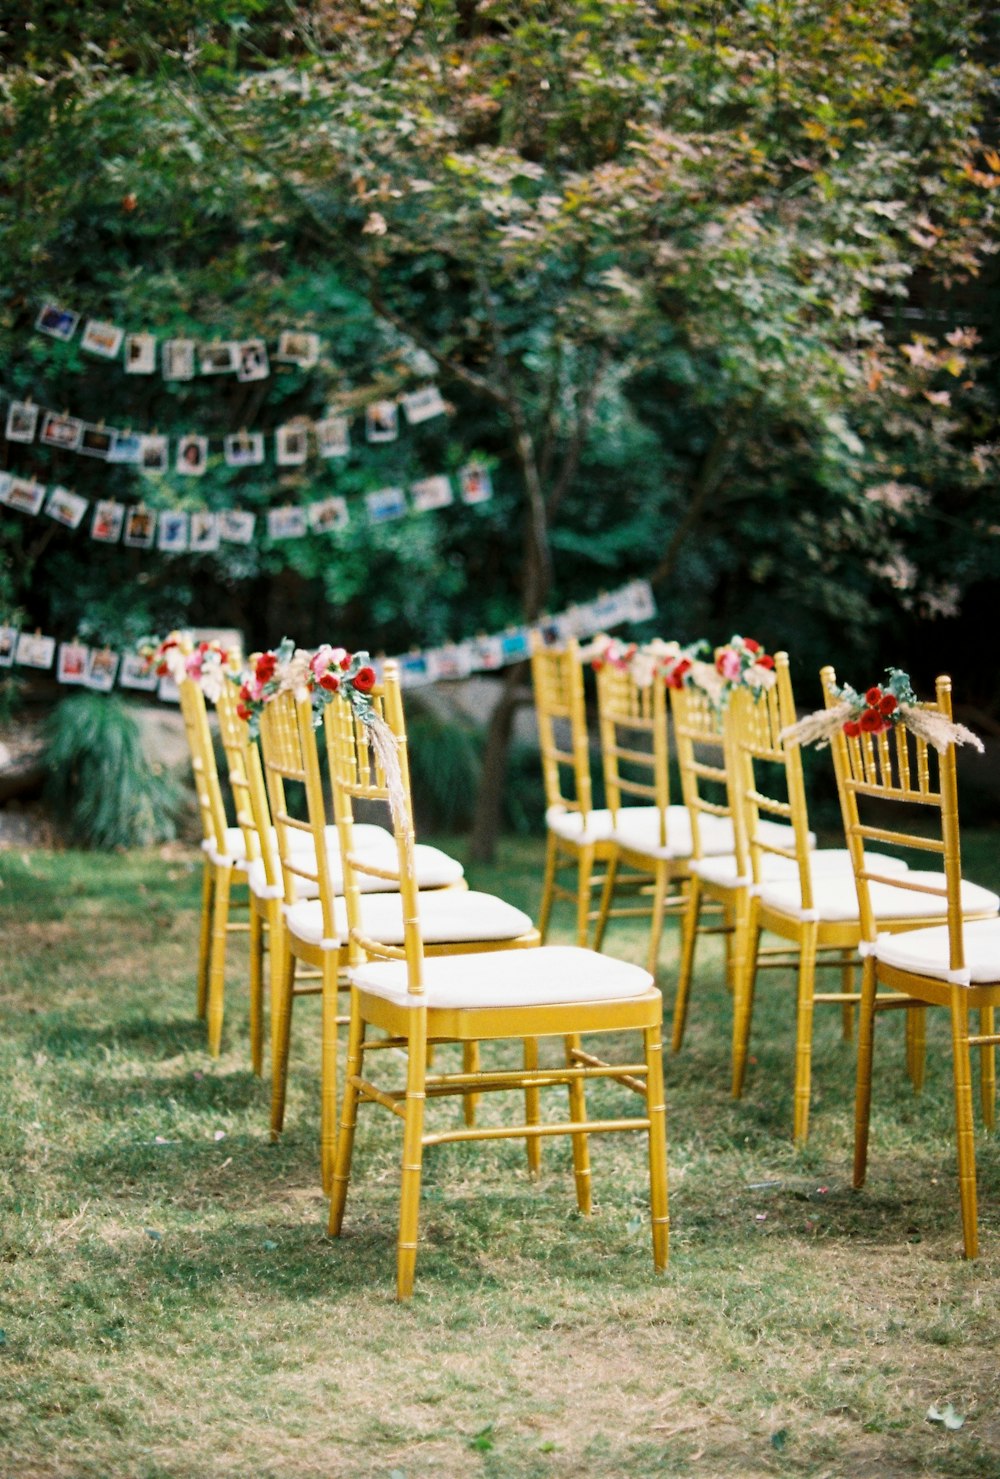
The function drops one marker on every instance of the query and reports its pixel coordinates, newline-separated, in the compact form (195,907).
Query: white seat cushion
(821,860)
(569,824)
(446,916)
(543,977)
(926,952)
(836,898)
(235,855)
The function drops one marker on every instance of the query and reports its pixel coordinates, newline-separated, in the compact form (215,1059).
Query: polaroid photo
(382,421)
(333,438)
(140,528)
(192,455)
(34,650)
(251,360)
(107,522)
(24,494)
(413,671)
(515,644)
(167,691)
(385,504)
(177,359)
(641,601)
(57,322)
(8,646)
(218,358)
(422,405)
(475,483)
(96,441)
(61,431)
(486,654)
(136,674)
(245,449)
(140,354)
(126,446)
(429,493)
(607,610)
(72,663)
(449,662)
(102,669)
(172,531)
(237,526)
(66,507)
(291,445)
(102,338)
(22,421)
(328,515)
(288,522)
(154,455)
(204,533)
(296,348)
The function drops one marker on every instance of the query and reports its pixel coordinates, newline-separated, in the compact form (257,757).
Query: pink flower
(322,659)
(727,661)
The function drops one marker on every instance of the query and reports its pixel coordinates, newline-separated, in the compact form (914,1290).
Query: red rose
(244,692)
(872,722)
(345,663)
(330,682)
(161,670)
(170,642)
(764,661)
(888,704)
(266,665)
(675,678)
(243,711)
(873,697)
(751,645)
(364,680)
(852,728)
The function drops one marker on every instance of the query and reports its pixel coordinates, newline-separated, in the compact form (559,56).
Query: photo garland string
(100,668)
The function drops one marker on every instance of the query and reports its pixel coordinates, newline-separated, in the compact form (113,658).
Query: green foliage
(444,758)
(100,785)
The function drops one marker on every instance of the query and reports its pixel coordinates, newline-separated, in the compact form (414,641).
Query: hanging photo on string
(34,650)
(422,405)
(59,323)
(102,338)
(102,669)
(382,421)
(296,348)
(8,645)
(96,441)
(192,456)
(140,354)
(172,531)
(385,504)
(154,454)
(63,432)
(475,483)
(72,664)
(109,517)
(288,522)
(486,653)
(515,644)
(328,515)
(236,526)
(333,436)
(251,363)
(22,421)
(429,493)
(245,449)
(178,359)
(413,671)
(219,358)
(204,534)
(291,445)
(136,674)
(126,447)
(66,508)
(24,494)
(140,527)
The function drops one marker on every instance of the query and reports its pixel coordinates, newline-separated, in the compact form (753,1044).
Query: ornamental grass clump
(101,786)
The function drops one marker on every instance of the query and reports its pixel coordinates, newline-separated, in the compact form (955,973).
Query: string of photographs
(100,668)
(176,531)
(180,359)
(27,422)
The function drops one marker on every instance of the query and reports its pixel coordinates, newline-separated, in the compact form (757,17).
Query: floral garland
(741,663)
(179,658)
(877,710)
(668,661)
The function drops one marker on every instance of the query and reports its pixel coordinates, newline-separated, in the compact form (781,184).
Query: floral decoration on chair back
(741,663)
(179,657)
(877,710)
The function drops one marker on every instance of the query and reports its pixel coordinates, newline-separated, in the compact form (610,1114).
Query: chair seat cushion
(638,828)
(446,916)
(722,870)
(570,825)
(547,976)
(926,952)
(235,854)
(836,898)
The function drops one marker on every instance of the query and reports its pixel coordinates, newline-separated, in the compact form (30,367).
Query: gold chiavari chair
(816,911)
(954,965)
(315,918)
(417,1000)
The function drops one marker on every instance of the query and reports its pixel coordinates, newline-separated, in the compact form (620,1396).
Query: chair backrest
(768,777)
(560,706)
(291,756)
(246,781)
(211,806)
(900,767)
(700,744)
(635,748)
(356,775)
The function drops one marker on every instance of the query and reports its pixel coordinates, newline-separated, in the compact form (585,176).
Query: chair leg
(532,1109)
(863,1089)
(283,988)
(413,1152)
(662,884)
(328,1070)
(348,1121)
(988,1069)
(656,1111)
(217,960)
(585,871)
(256,990)
(607,894)
(848,988)
(963,1121)
(744,981)
(581,1141)
(916,1046)
(803,1032)
(548,885)
(470,1064)
(205,934)
(689,936)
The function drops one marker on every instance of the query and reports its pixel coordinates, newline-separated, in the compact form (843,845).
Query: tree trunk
(488,820)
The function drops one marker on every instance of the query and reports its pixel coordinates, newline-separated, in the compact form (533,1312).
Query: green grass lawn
(171,1306)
